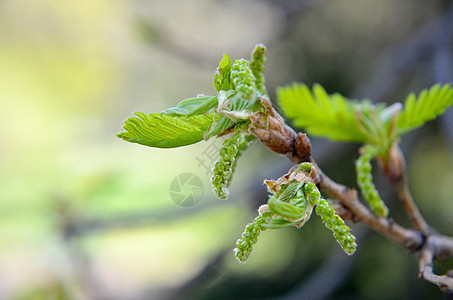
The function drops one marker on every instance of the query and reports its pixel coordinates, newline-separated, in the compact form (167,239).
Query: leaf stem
(412,211)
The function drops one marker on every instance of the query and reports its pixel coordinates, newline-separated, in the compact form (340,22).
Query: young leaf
(227,119)
(277,222)
(222,76)
(192,106)
(430,103)
(332,116)
(284,209)
(219,127)
(163,131)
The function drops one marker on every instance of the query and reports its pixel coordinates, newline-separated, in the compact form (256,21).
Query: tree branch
(402,189)
(425,263)
(276,135)
(394,167)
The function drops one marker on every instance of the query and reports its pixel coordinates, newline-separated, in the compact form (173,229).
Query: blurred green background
(84,215)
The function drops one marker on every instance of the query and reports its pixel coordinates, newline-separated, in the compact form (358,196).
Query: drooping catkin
(244,245)
(331,220)
(224,167)
(365,182)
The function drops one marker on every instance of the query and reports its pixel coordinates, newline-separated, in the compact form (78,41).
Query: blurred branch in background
(442,66)
(82,226)
(327,277)
(395,66)
(87,283)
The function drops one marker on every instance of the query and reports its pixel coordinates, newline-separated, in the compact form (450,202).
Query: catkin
(243,79)
(365,182)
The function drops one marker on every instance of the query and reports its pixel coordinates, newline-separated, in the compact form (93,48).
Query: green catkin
(365,182)
(331,220)
(292,205)
(228,154)
(257,63)
(340,230)
(243,78)
(244,245)
(312,193)
(243,144)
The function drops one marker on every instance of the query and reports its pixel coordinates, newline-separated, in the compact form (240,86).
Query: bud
(394,165)
(302,148)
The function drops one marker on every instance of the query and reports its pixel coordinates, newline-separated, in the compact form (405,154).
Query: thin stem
(394,167)
(412,211)
(426,243)
(441,245)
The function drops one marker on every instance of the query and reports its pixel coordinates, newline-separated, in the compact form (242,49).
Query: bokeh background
(84,215)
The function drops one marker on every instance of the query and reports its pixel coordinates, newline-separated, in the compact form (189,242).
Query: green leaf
(192,106)
(240,104)
(225,122)
(222,76)
(279,222)
(220,126)
(163,131)
(332,116)
(429,104)
(290,191)
(284,209)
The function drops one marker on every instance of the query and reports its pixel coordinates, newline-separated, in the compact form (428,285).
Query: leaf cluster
(241,107)
(338,118)
(239,84)
(375,125)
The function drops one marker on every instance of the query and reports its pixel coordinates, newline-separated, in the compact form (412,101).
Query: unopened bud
(394,165)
